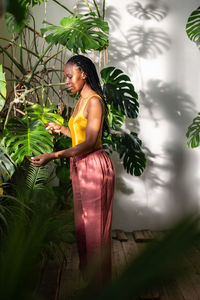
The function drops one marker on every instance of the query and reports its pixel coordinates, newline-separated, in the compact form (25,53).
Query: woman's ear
(83,75)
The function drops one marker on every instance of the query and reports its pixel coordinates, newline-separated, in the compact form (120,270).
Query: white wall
(167,79)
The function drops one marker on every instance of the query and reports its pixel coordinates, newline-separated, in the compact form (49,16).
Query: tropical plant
(123,102)
(2,88)
(193,32)
(26,137)
(82,32)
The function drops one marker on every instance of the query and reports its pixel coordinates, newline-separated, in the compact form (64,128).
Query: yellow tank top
(77,126)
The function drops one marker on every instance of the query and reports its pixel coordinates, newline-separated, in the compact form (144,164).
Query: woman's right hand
(55,128)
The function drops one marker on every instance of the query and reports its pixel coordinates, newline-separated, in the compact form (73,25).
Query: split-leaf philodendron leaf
(76,32)
(24,137)
(120,92)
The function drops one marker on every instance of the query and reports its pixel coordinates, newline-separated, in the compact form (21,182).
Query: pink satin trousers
(93,180)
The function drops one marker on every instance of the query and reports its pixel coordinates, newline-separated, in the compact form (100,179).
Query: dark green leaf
(193,133)
(193,26)
(120,92)
(2,88)
(26,138)
(82,32)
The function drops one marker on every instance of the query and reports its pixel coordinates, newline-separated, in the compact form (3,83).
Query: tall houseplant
(193,32)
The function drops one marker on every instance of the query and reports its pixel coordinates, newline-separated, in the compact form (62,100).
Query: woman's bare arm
(95,114)
(56,128)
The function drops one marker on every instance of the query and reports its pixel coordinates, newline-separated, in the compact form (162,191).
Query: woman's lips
(69,87)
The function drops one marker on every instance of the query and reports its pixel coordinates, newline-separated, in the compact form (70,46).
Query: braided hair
(87,66)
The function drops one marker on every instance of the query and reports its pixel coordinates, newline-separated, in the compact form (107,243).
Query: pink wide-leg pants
(93,180)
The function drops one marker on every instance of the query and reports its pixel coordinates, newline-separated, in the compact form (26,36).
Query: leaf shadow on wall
(150,11)
(167,170)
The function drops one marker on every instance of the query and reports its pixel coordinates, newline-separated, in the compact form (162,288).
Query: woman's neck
(86,91)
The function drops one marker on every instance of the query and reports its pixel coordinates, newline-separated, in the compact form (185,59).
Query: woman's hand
(41,160)
(55,128)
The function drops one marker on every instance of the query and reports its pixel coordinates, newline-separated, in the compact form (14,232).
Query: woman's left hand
(41,160)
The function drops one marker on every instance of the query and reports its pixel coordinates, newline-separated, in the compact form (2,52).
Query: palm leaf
(82,32)
(24,137)
(31,183)
(193,26)
(7,166)
(120,92)
(2,88)
(36,112)
(193,133)
(129,148)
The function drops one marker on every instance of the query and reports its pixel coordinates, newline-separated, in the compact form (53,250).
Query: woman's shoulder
(96,101)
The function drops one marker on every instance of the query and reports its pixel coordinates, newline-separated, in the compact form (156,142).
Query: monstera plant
(123,102)
(193,32)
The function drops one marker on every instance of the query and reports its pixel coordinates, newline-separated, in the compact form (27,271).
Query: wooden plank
(70,280)
(189,285)
(148,236)
(118,258)
(48,285)
(114,234)
(171,292)
(142,236)
(152,294)
(121,236)
(129,247)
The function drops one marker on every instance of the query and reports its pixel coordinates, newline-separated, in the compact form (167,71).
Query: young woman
(91,168)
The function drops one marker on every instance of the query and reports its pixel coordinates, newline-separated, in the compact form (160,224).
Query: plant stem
(104,4)
(34,35)
(98,13)
(88,5)
(36,64)
(63,6)
(14,61)
(21,51)
(54,55)
(17,45)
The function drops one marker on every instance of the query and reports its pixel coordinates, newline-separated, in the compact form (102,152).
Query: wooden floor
(60,279)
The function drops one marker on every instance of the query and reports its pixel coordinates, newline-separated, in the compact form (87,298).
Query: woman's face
(74,78)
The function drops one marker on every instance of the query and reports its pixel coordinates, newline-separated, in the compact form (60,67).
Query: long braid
(87,66)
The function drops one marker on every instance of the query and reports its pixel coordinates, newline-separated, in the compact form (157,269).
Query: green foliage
(115,118)
(12,24)
(24,137)
(129,148)
(7,166)
(120,92)
(162,260)
(193,133)
(34,2)
(18,9)
(43,113)
(2,88)
(76,32)
(193,26)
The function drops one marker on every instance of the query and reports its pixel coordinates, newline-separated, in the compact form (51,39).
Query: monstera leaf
(120,92)
(7,166)
(2,88)
(82,32)
(129,148)
(13,26)
(44,114)
(193,133)
(115,118)
(24,137)
(193,26)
